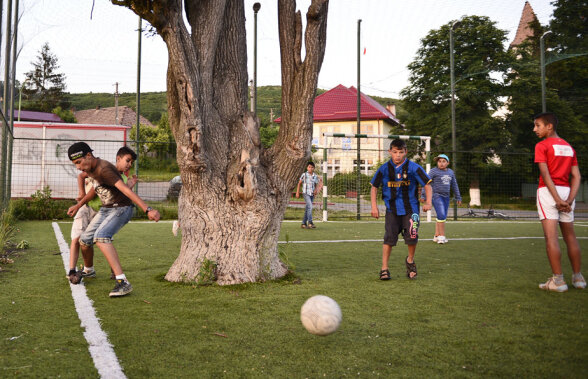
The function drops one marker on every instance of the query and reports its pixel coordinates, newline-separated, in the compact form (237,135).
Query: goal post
(423,139)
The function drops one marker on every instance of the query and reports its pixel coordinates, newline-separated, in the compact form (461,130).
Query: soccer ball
(320,315)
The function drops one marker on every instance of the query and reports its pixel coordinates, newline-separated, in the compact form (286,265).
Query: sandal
(410,268)
(385,275)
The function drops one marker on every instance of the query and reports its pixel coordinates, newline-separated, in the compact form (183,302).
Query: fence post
(325,167)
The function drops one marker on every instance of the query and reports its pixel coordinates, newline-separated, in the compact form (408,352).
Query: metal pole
(325,189)
(256,8)
(542,62)
(5,126)
(453,131)
(137,150)
(13,74)
(358,182)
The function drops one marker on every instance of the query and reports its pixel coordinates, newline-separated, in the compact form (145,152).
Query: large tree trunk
(234,193)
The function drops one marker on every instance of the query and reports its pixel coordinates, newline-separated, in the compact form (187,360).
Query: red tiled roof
(107,116)
(37,116)
(340,104)
(523,31)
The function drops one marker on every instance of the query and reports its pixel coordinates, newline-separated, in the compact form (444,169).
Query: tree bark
(234,192)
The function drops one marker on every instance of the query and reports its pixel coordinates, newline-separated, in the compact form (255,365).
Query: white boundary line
(429,239)
(101,350)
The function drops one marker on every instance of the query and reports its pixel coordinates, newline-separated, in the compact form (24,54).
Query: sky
(96,42)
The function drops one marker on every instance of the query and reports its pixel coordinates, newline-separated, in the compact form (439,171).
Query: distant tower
(524,31)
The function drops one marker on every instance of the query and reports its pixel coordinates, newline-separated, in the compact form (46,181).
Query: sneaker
(550,285)
(578,281)
(441,240)
(436,238)
(175,227)
(311,226)
(121,288)
(91,274)
(303,226)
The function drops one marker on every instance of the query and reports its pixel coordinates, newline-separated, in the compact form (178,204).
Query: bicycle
(490,213)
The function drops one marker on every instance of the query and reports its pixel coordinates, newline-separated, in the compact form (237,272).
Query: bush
(40,207)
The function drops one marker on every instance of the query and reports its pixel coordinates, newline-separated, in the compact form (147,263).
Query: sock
(559,279)
(121,276)
(88,269)
(577,275)
(72,271)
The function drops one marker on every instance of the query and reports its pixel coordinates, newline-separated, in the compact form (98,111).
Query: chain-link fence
(492,184)
(505,182)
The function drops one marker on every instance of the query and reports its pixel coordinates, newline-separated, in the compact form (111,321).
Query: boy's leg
(574,254)
(386,250)
(74,252)
(309,207)
(411,252)
(88,255)
(114,220)
(552,245)
(111,256)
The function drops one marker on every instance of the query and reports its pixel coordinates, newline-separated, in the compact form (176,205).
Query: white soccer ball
(321,315)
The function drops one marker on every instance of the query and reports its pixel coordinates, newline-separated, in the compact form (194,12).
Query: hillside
(154,104)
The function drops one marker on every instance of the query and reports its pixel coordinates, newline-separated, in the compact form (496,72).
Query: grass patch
(474,311)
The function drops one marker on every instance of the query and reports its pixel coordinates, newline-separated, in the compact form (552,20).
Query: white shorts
(82,220)
(546,205)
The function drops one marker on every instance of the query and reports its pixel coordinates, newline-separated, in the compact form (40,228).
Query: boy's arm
(81,185)
(319,187)
(84,200)
(560,204)
(374,197)
(132,181)
(575,181)
(122,187)
(298,189)
(456,192)
(429,197)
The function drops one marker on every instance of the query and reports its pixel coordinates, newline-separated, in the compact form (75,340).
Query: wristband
(149,209)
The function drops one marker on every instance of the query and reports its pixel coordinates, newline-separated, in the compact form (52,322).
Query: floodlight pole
(5,109)
(12,83)
(542,62)
(256,8)
(358,182)
(453,132)
(137,149)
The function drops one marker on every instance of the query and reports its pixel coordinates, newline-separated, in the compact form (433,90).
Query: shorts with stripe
(408,225)
(546,205)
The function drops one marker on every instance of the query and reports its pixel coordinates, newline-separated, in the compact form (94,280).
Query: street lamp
(454,26)
(256,8)
(542,55)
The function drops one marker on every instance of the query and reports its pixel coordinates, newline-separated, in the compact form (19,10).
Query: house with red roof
(335,111)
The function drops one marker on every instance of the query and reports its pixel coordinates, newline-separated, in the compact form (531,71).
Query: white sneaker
(175,227)
(435,238)
(550,285)
(578,281)
(441,240)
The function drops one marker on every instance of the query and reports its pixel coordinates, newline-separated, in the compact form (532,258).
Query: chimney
(391,108)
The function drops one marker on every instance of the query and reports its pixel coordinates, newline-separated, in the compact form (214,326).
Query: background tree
(479,57)
(44,85)
(234,191)
(566,76)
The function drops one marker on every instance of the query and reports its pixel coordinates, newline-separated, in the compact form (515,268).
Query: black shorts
(408,225)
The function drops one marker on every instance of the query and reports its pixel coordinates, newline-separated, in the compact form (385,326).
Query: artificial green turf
(475,309)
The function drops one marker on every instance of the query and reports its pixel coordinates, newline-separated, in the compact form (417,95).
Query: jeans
(441,204)
(308,209)
(106,224)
